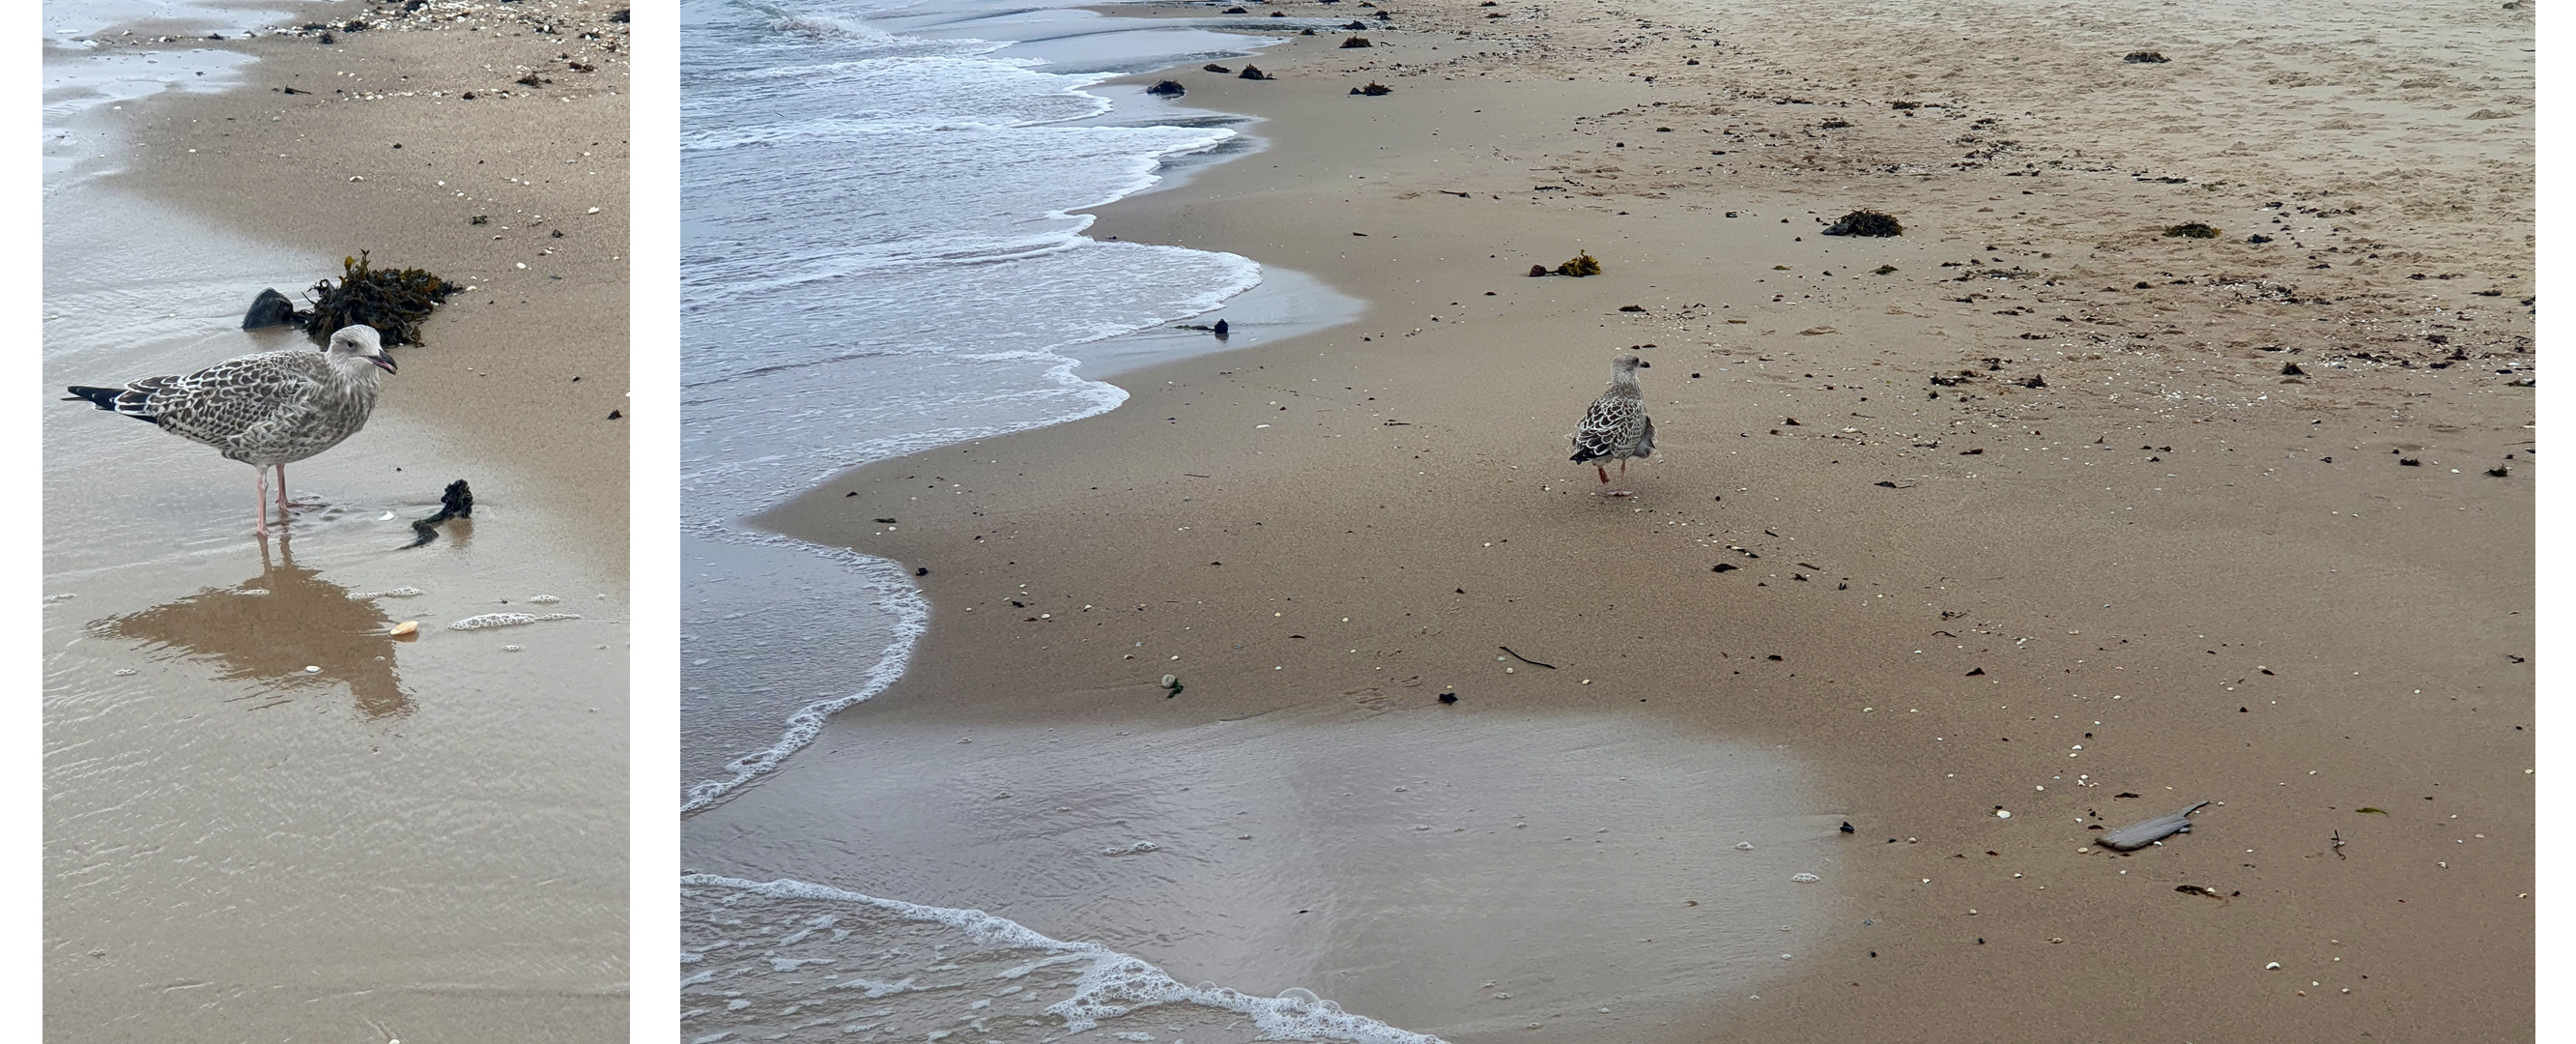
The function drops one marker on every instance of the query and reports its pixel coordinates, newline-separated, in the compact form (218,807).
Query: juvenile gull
(265,410)
(1616,425)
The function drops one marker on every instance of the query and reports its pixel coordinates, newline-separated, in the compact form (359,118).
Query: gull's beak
(385,362)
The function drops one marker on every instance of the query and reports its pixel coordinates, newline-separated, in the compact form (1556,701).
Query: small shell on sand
(403,628)
(2140,835)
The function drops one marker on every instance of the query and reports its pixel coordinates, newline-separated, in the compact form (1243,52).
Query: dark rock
(1252,72)
(2292,370)
(1374,88)
(1215,68)
(329,39)
(1865,223)
(1355,25)
(2191,230)
(1537,271)
(2146,58)
(270,308)
(1357,41)
(1446,697)
(1277,14)
(1221,329)
(2258,238)
(1167,88)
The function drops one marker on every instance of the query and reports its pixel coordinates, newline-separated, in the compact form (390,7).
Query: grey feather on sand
(266,410)
(1616,427)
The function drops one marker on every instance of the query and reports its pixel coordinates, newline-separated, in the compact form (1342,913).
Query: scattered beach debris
(1173,684)
(2366,809)
(1357,41)
(1525,659)
(406,627)
(2146,58)
(1805,878)
(1168,88)
(1222,329)
(1581,264)
(1847,827)
(491,620)
(1865,223)
(2292,370)
(1214,67)
(1355,25)
(393,301)
(1374,88)
(1448,697)
(2500,470)
(2191,230)
(1253,72)
(270,308)
(457,502)
(2193,889)
(1883,270)
(2140,835)
(2336,839)
(1139,848)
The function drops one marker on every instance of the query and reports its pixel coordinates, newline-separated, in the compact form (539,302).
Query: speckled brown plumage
(1616,427)
(265,410)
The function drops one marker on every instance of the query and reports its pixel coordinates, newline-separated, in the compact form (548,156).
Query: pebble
(1805,878)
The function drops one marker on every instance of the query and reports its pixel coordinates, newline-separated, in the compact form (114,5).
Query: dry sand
(2034,522)
(265,819)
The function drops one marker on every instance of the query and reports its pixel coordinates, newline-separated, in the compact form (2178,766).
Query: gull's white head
(361,341)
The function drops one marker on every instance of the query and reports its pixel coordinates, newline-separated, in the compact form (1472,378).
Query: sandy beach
(266,818)
(1963,547)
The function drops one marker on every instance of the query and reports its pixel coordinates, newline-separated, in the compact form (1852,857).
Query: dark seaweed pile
(2192,230)
(392,301)
(1866,223)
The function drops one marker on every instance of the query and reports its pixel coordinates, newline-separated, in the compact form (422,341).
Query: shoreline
(1934,563)
(313,765)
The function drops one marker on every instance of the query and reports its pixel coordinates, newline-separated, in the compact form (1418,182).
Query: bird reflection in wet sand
(266,630)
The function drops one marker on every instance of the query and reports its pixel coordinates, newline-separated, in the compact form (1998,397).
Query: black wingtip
(103,398)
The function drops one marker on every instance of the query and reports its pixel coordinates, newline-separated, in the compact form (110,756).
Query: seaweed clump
(2191,230)
(1357,41)
(394,301)
(1373,89)
(1865,223)
(1581,264)
(2146,58)
(1170,88)
(1252,72)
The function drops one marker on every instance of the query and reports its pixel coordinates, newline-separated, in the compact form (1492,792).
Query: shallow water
(1447,872)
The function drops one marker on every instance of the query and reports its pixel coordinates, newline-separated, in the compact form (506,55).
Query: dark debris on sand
(2191,230)
(393,301)
(1865,223)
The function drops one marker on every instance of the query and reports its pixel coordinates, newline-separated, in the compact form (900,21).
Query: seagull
(265,410)
(1616,425)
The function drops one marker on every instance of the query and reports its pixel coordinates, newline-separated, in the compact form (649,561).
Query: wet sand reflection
(266,630)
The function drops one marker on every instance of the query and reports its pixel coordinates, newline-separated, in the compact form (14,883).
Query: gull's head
(1625,363)
(361,341)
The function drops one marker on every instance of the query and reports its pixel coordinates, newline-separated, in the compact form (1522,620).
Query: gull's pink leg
(1605,474)
(283,507)
(262,499)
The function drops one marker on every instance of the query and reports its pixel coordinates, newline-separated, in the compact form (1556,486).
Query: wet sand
(2036,520)
(265,818)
